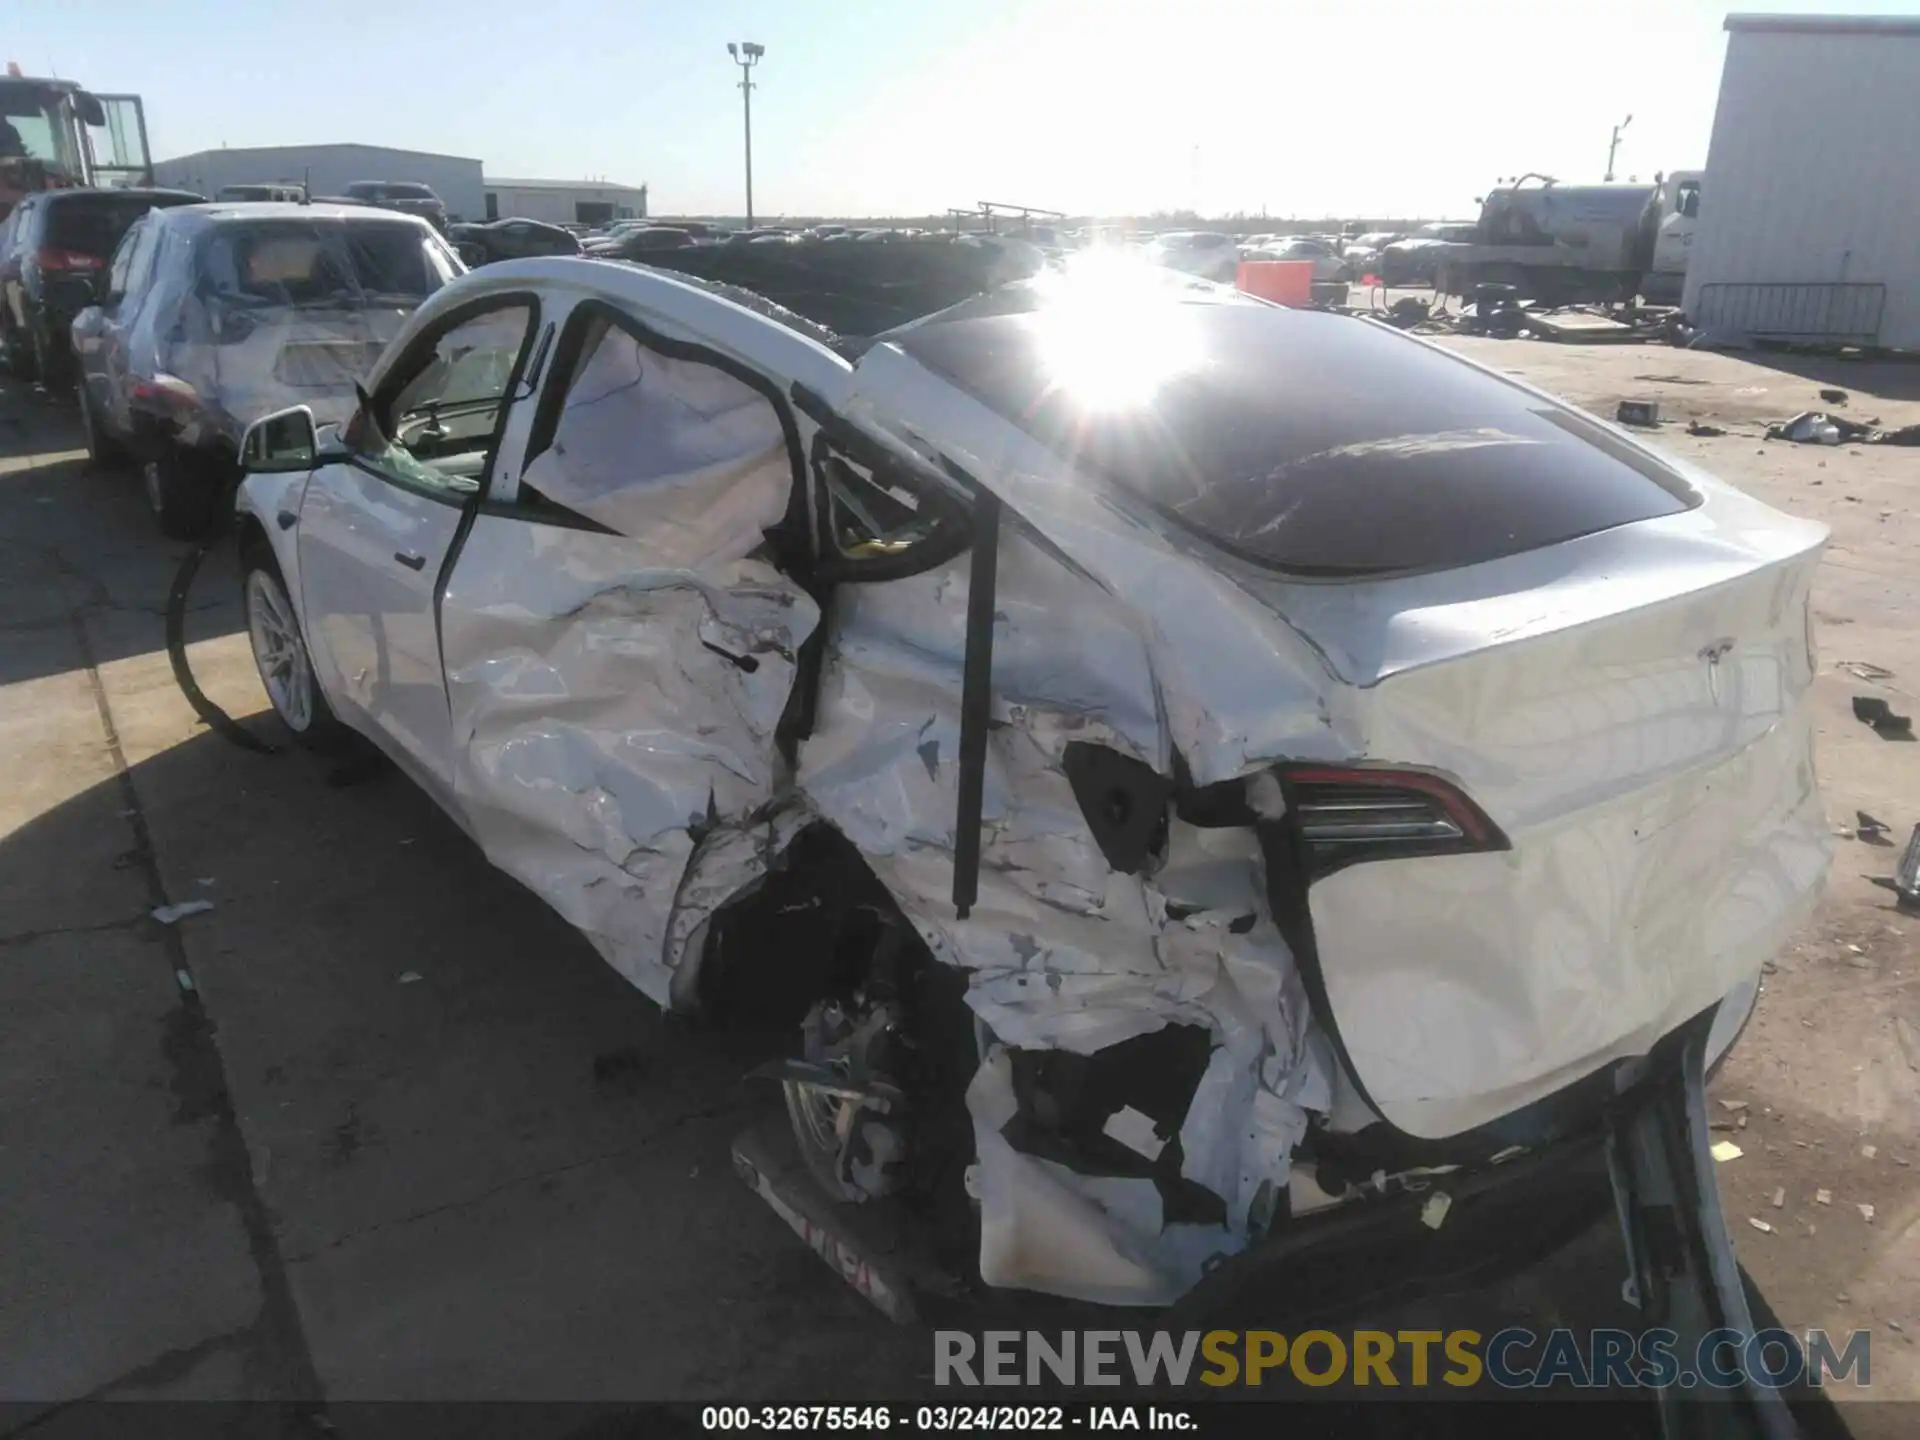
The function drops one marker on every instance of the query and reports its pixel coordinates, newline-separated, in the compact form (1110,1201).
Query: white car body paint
(1660,804)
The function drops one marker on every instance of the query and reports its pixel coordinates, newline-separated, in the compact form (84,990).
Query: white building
(1811,199)
(587,202)
(328,170)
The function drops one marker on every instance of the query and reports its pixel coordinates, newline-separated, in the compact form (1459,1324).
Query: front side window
(439,427)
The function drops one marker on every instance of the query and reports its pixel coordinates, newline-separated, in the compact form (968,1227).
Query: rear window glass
(1306,442)
(300,262)
(93,226)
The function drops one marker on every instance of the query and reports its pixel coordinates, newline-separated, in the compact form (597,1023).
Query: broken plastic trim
(976,694)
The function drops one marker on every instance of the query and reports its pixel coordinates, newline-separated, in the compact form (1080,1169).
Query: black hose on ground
(211,714)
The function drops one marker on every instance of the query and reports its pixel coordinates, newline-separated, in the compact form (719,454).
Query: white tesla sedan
(1184,763)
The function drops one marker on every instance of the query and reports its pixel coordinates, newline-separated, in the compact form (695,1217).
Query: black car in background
(51,249)
(512,239)
(409,197)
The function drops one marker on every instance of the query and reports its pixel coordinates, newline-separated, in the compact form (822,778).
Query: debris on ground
(1874,711)
(1779,1196)
(171,914)
(1733,1105)
(1725,1150)
(1823,1197)
(1864,670)
(1871,830)
(1866,1212)
(407,977)
(1759,1224)
(1816,427)
(1869,1151)
(1700,427)
(1809,428)
(1433,1214)
(1834,397)
(1638,412)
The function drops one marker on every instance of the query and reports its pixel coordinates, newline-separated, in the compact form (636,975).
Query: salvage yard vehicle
(1174,803)
(210,316)
(513,239)
(50,249)
(1326,264)
(1206,253)
(409,197)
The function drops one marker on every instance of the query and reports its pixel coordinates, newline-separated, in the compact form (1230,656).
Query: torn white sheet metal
(603,718)
(1064,952)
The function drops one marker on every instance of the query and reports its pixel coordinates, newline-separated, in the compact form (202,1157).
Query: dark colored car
(210,316)
(642,242)
(409,197)
(50,250)
(514,239)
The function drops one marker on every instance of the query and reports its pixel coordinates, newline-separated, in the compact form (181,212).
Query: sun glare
(1113,330)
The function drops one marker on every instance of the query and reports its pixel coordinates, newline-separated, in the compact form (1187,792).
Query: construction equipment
(55,135)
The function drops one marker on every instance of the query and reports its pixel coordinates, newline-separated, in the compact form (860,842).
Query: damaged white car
(1184,768)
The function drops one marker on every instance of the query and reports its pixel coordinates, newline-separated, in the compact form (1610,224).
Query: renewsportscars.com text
(1511,1359)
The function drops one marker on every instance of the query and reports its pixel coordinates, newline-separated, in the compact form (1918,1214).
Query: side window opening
(439,429)
(680,455)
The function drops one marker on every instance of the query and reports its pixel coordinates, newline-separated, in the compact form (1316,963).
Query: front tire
(180,493)
(280,656)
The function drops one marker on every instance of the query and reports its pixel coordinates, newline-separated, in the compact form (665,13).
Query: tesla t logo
(1713,654)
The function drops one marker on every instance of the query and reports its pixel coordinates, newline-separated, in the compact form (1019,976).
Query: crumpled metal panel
(1063,952)
(603,723)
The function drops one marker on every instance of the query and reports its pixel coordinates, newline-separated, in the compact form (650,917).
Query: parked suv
(211,316)
(409,197)
(50,250)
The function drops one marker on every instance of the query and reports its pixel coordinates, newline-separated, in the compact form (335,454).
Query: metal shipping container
(1811,203)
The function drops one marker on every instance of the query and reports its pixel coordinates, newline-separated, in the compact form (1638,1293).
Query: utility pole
(746,55)
(1614,144)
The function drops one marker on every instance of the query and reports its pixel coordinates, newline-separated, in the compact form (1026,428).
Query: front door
(376,529)
(619,638)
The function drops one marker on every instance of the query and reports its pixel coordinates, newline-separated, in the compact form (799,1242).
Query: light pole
(1614,144)
(747,55)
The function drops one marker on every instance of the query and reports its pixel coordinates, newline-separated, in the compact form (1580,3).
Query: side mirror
(91,110)
(280,442)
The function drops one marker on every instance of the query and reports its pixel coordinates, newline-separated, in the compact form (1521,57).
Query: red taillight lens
(1343,814)
(67,260)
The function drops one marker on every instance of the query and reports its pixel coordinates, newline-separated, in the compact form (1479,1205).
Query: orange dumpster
(1285,282)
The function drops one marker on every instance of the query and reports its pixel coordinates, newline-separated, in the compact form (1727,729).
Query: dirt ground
(1828,1073)
(378,1125)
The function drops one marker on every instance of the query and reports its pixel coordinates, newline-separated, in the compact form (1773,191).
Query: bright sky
(910,106)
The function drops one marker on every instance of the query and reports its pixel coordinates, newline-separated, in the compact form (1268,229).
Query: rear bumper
(1333,1264)
(1463,988)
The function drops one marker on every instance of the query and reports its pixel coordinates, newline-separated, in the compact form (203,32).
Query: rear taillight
(1343,814)
(67,261)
